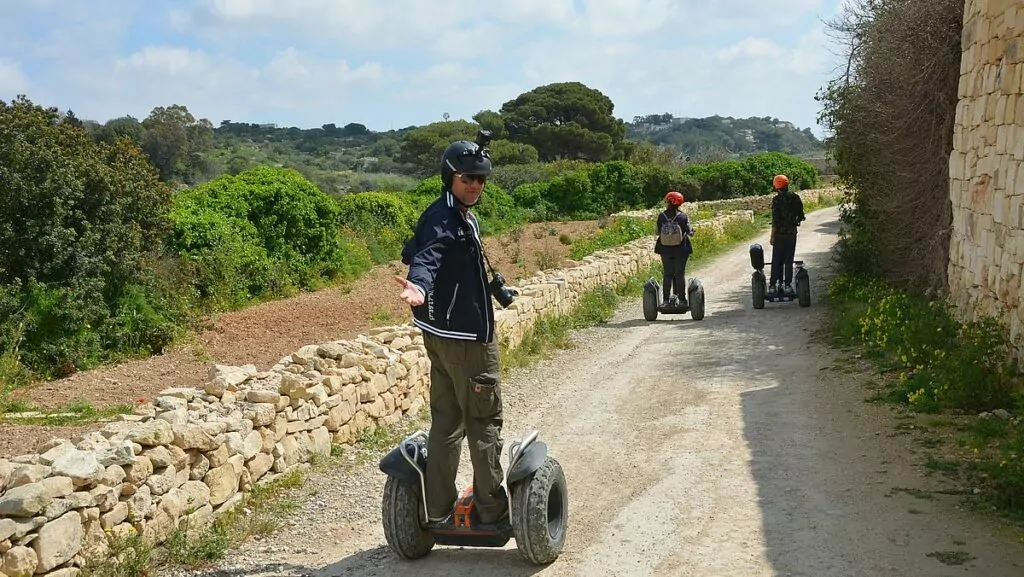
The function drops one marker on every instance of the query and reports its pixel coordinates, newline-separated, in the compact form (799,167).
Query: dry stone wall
(986,166)
(194,453)
(758,203)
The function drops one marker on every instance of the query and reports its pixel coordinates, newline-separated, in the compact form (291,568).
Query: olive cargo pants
(465,400)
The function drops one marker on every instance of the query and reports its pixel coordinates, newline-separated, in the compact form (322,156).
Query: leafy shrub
(511,176)
(78,222)
(941,363)
(382,220)
(604,188)
(261,233)
(751,176)
(496,210)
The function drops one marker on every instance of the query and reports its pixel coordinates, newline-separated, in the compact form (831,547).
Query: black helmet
(464,157)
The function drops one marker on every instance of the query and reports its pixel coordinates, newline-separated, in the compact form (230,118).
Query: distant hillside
(694,136)
(352,158)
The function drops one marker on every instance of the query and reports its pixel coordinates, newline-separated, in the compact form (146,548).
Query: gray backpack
(671,232)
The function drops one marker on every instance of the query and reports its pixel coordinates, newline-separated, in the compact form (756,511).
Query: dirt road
(726,447)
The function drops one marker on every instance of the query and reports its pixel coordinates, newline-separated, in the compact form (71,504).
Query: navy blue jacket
(445,258)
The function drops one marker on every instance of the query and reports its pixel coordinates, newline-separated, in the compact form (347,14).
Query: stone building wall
(986,167)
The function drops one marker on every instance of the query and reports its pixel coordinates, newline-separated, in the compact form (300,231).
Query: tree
(493,121)
(78,220)
(422,147)
(126,126)
(174,141)
(891,112)
(565,120)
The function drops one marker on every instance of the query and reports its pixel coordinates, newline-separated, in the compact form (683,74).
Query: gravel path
(720,447)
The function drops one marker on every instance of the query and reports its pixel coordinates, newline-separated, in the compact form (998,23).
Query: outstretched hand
(411,295)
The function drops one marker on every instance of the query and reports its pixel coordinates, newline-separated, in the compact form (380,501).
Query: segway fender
(652,286)
(532,458)
(757,256)
(395,464)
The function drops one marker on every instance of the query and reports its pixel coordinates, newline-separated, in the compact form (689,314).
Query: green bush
(600,189)
(941,363)
(261,233)
(751,176)
(79,221)
(496,210)
(382,220)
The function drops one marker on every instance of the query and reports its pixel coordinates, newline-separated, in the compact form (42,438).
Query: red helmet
(674,198)
(780,181)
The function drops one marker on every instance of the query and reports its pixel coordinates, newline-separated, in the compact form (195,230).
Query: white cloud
(12,79)
(307,62)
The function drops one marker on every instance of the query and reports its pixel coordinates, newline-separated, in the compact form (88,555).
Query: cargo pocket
(484,396)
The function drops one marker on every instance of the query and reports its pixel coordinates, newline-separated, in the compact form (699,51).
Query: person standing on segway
(673,245)
(787,214)
(450,298)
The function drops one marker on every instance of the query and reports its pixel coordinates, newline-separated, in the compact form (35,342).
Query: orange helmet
(674,198)
(780,181)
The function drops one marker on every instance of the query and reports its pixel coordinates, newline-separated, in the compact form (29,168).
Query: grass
(552,333)
(22,412)
(955,380)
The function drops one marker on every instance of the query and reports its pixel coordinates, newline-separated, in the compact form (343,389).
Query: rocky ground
(737,445)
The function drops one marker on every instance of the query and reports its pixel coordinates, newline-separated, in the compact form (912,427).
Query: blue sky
(395,63)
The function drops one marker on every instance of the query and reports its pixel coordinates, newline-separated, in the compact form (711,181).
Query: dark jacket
(445,258)
(787,212)
(686,247)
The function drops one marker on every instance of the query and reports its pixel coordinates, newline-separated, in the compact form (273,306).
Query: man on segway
(673,245)
(787,214)
(451,303)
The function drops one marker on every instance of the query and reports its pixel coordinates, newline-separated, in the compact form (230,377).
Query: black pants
(783,252)
(674,275)
(465,401)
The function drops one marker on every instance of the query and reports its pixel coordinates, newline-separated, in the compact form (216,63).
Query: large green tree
(175,140)
(566,120)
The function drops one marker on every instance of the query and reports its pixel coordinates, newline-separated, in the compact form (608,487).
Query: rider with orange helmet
(673,245)
(787,214)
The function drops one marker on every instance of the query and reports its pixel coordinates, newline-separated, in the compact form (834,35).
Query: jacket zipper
(451,306)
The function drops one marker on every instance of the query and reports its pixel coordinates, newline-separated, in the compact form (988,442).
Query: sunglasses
(468,178)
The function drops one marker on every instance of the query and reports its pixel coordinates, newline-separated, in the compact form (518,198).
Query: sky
(396,63)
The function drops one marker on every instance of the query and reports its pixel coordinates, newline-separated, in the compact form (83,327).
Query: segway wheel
(757,289)
(803,292)
(540,513)
(697,303)
(650,303)
(401,512)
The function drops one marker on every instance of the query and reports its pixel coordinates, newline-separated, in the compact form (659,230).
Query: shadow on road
(441,562)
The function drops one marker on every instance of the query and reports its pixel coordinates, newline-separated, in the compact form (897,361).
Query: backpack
(787,214)
(671,233)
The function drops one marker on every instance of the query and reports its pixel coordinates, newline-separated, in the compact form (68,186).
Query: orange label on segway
(464,508)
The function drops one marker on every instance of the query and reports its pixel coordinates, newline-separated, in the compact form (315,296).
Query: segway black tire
(401,510)
(540,513)
(803,292)
(697,304)
(650,301)
(757,290)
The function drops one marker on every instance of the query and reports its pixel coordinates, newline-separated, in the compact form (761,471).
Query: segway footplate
(464,529)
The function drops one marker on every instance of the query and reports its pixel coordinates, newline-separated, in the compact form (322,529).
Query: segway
(538,501)
(759,284)
(694,304)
